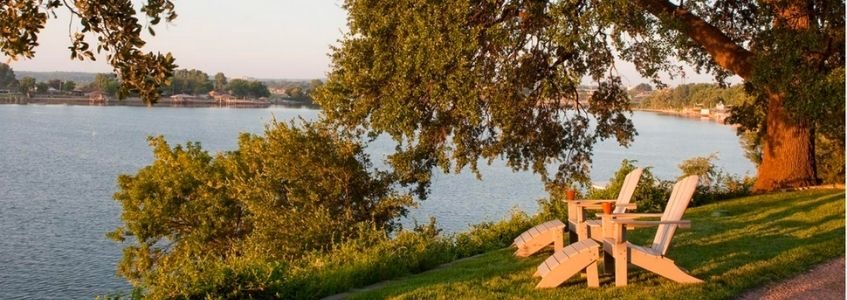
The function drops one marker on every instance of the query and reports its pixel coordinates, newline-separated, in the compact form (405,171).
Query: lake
(58,166)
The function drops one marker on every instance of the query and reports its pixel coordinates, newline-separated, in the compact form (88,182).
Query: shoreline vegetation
(370,255)
(690,113)
(165,102)
(185,88)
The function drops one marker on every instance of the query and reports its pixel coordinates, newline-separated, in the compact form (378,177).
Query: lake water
(58,166)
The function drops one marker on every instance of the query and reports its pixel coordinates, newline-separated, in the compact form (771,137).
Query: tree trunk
(788,151)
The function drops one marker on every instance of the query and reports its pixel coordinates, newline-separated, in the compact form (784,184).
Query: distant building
(221,97)
(98,97)
(183,98)
(277,91)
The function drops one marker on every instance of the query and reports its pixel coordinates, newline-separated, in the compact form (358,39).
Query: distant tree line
(196,82)
(694,94)
(184,81)
(296,89)
(28,85)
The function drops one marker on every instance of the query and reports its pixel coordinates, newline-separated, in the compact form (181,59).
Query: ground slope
(734,246)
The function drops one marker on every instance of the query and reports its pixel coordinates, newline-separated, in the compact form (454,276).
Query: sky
(255,38)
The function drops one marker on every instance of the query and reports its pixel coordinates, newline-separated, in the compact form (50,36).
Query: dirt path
(825,281)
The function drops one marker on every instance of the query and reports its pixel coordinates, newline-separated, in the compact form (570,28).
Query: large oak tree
(456,81)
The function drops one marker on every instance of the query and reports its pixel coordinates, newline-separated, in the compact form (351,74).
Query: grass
(733,245)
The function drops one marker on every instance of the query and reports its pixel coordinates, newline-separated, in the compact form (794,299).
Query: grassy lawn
(734,246)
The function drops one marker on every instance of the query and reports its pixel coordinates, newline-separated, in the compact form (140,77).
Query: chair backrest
(627,189)
(678,202)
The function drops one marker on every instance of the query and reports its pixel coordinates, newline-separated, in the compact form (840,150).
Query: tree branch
(723,50)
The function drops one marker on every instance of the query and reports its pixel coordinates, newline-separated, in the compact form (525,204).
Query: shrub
(195,224)
(493,235)
(829,155)
(650,194)
(714,184)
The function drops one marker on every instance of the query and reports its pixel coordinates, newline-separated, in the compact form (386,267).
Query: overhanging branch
(723,50)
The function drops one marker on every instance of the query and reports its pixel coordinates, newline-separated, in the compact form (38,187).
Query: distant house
(277,91)
(183,98)
(98,97)
(221,97)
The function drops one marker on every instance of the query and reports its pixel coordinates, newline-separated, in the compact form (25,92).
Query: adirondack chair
(542,235)
(580,228)
(650,258)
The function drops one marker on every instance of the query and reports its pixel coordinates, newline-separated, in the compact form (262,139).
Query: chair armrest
(600,205)
(635,215)
(634,223)
(592,202)
(628,205)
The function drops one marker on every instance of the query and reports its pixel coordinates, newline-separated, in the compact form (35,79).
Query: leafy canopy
(114,24)
(458,81)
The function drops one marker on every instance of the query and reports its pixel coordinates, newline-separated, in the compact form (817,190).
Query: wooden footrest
(538,237)
(566,263)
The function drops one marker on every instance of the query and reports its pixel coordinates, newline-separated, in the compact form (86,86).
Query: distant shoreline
(164,102)
(716,118)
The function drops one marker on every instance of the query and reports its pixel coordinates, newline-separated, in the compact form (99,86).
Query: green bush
(493,235)
(715,184)
(194,224)
(829,156)
(652,193)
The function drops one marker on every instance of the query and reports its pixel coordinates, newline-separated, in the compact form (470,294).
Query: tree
(643,87)
(259,89)
(192,81)
(457,81)
(41,87)
(279,196)
(7,77)
(116,27)
(105,83)
(314,85)
(220,81)
(294,92)
(55,83)
(69,86)
(244,88)
(239,87)
(27,85)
